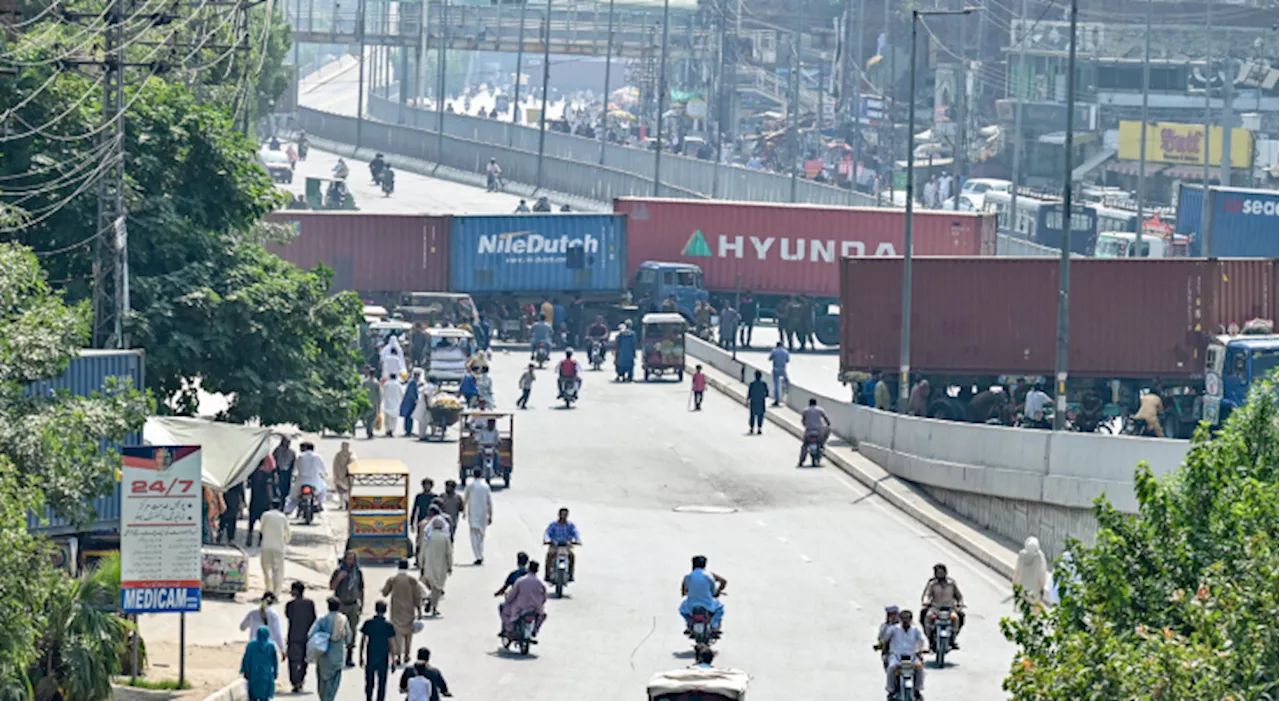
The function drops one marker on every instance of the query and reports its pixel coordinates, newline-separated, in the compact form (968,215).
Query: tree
(1178,602)
(49,450)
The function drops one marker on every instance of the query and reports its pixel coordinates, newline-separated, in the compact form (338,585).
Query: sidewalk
(997,554)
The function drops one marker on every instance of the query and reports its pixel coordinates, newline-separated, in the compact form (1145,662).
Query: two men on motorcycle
(938,592)
(702,588)
(904,640)
(375,168)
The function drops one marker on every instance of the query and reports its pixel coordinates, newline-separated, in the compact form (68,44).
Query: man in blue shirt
(561,530)
(702,588)
(779,357)
(540,332)
(522,568)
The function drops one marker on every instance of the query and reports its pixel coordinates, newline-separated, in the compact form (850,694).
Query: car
(277,165)
(974,193)
(968,203)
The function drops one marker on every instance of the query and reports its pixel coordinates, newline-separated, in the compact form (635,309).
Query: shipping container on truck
(89,372)
(379,256)
(975,319)
(531,256)
(1243,222)
(779,250)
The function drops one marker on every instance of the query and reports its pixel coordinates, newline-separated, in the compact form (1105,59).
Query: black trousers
(227,525)
(523,401)
(297,662)
(372,674)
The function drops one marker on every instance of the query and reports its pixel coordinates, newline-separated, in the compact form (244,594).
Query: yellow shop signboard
(1168,142)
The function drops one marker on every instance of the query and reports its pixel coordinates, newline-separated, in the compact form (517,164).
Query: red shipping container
(371,252)
(787,249)
(993,316)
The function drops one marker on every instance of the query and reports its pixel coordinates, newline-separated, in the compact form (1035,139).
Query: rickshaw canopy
(663,318)
(447,333)
(378,467)
(729,683)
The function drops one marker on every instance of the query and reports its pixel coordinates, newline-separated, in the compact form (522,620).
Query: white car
(968,202)
(981,186)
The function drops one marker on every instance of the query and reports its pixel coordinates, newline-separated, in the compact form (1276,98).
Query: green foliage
(1180,601)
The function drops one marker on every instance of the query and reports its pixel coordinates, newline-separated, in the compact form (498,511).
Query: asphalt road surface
(810,556)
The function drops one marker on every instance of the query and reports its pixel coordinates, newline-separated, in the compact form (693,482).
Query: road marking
(783,540)
(505,679)
(805,558)
(856,606)
(760,523)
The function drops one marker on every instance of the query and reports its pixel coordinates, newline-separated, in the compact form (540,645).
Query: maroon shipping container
(371,252)
(784,249)
(992,316)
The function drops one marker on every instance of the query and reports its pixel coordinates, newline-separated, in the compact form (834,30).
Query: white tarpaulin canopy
(729,683)
(229,452)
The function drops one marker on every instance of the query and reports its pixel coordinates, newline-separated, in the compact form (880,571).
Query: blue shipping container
(1244,222)
(87,374)
(528,253)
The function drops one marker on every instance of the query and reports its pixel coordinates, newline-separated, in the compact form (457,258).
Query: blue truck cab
(1232,364)
(657,281)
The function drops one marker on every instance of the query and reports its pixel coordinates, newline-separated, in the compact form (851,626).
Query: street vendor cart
(699,684)
(443,412)
(379,511)
(498,465)
(662,339)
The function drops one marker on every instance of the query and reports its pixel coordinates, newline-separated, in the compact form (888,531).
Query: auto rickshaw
(378,513)
(498,465)
(662,341)
(447,353)
(699,684)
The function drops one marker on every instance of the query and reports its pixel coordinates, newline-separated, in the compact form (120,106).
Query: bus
(1039,220)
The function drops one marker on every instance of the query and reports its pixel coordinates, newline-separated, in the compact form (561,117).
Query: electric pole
(856,108)
(1064,266)
(546,88)
(1022,87)
(111,270)
(515,109)
(1206,235)
(1142,141)
(662,97)
(608,67)
(793,103)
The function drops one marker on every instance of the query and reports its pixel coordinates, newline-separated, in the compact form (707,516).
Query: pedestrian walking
(301,614)
(699,387)
(422,682)
(329,666)
(749,310)
(261,494)
(373,388)
(478,500)
(285,458)
(435,562)
(259,666)
(409,401)
(342,474)
(422,503)
(757,393)
(377,638)
(526,386)
(347,584)
(275,540)
(779,357)
(729,319)
(264,615)
(405,594)
(1030,574)
(234,499)
(451,505)
(392,394)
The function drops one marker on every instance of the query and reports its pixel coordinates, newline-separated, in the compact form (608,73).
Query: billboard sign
(160,529)
(1168,142)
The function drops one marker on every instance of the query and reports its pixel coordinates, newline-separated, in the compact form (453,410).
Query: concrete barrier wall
(1013,481)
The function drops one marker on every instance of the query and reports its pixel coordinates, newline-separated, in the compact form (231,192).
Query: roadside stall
(379,511)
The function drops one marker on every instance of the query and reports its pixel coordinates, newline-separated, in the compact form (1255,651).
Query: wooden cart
(379,511)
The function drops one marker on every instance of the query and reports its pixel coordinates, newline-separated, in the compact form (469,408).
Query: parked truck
(777,251)
(977,322)
(1243,222)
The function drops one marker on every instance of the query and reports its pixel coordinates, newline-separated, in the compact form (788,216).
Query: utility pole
(904,334)
(1064,266)
(360,11)
(1142,141)
(721,96)
(1206,235)
(608,68)
(111,272)
(793,103)
(662,97)
(960,150)
(441,82)
(546,88)
(515,109)
(856,108)
(1229,71)
(1017,121)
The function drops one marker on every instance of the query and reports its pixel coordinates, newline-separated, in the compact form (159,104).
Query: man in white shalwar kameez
(479,509)
(1030,572)
(392,360)
(392,395)
(422,409)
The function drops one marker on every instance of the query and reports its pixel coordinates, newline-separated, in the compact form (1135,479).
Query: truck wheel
(828,330)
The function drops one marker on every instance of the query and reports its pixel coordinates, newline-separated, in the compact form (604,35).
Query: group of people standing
(937,190)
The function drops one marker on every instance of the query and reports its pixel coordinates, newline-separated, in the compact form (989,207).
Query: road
(810,556)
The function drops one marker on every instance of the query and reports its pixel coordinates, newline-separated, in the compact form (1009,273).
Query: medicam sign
(160,527)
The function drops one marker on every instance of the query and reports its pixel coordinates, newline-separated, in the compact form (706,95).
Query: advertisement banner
(160,529)
(1168,142)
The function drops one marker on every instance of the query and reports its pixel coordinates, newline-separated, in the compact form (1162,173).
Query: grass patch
(154,684)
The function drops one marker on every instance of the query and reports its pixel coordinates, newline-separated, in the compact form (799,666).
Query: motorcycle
(489,462)
(813,446)
(596,354)
(541,354)
(1137,427)
(560,572)
(303,147)
(568,391)
(942,618)
(906,686)
(310,504)
(388,184)
(700,629)
(495,183)
(375,170)
(522,634)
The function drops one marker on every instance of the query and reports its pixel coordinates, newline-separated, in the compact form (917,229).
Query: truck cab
(1232,364)
(1123,244)
(658,281)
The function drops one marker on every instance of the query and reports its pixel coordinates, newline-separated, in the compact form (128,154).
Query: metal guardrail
(696,177)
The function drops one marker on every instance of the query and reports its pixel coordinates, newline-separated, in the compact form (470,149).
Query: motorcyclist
(904,640)
(274,144)
(882,637)
(814,420)
(702,588)
(494,172)
(1150,407)
(941,591)
(598,333)
(539,333)
(340,170)
(561,530)
(542,205)
(388,179)
(303,145)
(570,374)
(375,168)
(310,471)
(522,208)
(486,437)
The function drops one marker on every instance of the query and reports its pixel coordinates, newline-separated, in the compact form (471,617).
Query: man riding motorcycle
(375,168)
(598,333)
(388,179)
(702,588)
(494,172)
(814,420)
(570,375)
(486,437)
(561,530)
(941,591)
(904,640)
(539,334)
(340,170)
(310,472)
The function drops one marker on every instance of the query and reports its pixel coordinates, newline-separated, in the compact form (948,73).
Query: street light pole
(904,339)
(608,66)
(793,105)
(1205,234)
(442,84)
(1064,265)
(515,105)
(1142,141)
(662,98)
(546,88)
